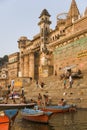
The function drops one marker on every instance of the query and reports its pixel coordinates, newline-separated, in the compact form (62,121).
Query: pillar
(26,66)
(31,65)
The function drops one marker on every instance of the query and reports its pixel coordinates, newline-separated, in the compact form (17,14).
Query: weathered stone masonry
(51,50)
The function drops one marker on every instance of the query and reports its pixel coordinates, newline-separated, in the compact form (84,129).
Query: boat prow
(11,113)
(4,122)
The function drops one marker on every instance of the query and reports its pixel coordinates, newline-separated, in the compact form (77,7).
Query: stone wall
(71,53)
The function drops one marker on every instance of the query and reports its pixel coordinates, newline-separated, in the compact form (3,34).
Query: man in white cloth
(70,81)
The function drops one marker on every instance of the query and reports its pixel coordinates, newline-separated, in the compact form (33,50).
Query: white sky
(20,18)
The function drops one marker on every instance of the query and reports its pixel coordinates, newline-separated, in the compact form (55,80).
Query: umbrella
(69,67)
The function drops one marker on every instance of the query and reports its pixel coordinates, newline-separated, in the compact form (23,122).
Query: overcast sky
(20,18)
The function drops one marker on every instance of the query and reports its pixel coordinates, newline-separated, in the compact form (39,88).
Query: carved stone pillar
(45,68)
(21,74)
(43,60)
(31,65)
(26,66)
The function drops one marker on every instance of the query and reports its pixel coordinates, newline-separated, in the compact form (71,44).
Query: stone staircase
(55,90)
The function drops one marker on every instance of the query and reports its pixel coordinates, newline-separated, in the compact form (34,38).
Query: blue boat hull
(56,109)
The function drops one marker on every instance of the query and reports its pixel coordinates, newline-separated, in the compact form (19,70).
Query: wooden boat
(4,122)
(11,113)
(56,109)
(16,106)
(36,115)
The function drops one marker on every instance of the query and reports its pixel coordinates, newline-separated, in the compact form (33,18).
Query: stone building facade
(52,50)
(13,66)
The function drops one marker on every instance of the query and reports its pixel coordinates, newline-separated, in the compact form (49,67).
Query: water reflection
(21,124)
(66,121)
(70,121)
(31,126)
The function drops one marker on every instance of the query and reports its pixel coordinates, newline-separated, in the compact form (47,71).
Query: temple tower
(73,13)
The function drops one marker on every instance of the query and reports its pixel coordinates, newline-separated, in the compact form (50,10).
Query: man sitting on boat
(62,102)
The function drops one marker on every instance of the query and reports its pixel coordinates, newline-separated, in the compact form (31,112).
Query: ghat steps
(55,89)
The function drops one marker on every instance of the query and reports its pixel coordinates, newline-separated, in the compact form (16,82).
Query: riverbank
(55,90)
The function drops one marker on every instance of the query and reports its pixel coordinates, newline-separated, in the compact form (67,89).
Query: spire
(73,11)
(44,12)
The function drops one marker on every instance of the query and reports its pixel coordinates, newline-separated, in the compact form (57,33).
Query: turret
(44,23)
(22,42)
(44,28)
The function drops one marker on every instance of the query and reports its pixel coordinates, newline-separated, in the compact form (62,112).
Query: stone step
(55,89)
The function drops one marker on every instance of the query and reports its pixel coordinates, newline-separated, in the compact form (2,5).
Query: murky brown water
(68,121)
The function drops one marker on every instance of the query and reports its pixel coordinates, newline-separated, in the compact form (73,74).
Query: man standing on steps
(70,81)
(39,99)
(37,83)
(64,82)
(22,91)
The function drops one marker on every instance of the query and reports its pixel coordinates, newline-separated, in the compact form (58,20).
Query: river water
(61,121)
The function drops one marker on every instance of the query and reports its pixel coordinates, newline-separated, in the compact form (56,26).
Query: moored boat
(36,115)
(11,113)
(56,109)
(14,106)
(4,122)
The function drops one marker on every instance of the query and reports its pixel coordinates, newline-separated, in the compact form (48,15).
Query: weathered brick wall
(71,53)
